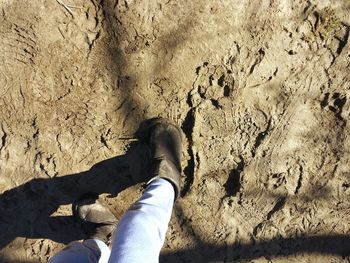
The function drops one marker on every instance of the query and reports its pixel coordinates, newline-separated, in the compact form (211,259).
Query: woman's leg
(141,231)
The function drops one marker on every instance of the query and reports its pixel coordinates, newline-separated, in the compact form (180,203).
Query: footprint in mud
(224,80)
(221,128)
(275,181)
(335,103)
(213,83)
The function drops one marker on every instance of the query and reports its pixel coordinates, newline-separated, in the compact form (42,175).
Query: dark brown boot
(98,221)
(165,145)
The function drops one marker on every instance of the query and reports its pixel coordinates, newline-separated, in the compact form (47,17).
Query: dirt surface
(260,89)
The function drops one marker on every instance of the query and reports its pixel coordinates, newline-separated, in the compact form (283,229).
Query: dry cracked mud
(261,90)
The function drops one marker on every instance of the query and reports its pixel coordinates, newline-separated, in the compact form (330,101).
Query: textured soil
(260,88)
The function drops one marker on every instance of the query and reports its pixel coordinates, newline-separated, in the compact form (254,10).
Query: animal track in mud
(220,133)
(275,181)
(244,63)
(334,103)
(212,83)
(204,87)
(46,164)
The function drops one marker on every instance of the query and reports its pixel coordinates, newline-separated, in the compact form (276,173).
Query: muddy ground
(260,89)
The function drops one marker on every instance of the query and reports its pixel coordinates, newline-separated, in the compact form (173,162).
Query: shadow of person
(26,211)
(326,245)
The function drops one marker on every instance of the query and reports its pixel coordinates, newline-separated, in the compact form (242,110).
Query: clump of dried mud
(260,89)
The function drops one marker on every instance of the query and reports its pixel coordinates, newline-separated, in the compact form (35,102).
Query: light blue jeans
(139,236)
